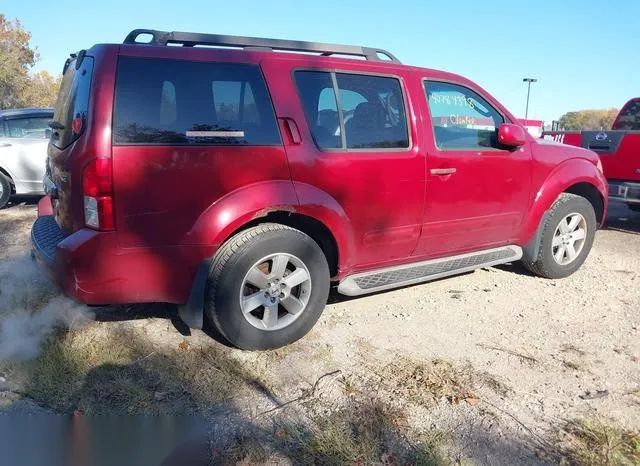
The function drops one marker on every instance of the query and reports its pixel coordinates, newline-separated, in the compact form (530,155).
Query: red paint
(173,206)
(622,163)
(511,135)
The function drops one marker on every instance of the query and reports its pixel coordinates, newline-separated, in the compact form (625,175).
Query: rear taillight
(97,187)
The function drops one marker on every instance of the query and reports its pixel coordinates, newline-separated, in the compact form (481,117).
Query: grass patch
(595,443)
(425,383)
(362,433)
(100,370)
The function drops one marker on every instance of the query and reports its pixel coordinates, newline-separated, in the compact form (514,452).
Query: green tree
(18,88)
(592,119)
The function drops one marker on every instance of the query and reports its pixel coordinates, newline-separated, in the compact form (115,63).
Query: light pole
(528,81)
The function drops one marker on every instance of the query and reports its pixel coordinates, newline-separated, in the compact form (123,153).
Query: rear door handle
(5,144)
(292,129)
(442,171)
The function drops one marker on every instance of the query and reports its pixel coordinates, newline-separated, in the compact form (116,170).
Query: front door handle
(442,171)
(5,144)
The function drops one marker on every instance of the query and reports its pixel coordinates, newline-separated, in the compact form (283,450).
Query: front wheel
(267,287)
(568,231)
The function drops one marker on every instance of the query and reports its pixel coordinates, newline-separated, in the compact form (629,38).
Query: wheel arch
(574,176)
(310,226)
(306,208)
(11,182)
(591,194)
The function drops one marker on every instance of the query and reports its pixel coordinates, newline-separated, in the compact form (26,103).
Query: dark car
(240,181)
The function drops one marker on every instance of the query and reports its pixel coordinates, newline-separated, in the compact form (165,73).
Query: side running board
(418,272)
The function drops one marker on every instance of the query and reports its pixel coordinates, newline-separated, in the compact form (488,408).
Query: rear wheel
(5,190)
(267,287)
(568,231)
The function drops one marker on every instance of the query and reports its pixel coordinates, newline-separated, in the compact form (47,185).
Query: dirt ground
(497,363)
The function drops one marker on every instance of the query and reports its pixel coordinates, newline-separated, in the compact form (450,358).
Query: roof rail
(191,39)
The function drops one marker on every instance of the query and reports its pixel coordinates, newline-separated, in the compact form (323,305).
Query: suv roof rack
(191,39)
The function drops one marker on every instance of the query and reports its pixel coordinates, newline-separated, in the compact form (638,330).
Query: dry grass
(363,433)
(595,443)
(15,224)
(427,382)
(97,370)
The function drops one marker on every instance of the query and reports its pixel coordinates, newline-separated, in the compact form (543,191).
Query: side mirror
(47,133)
(511,135)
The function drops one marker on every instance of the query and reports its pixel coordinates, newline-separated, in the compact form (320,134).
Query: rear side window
(629,117)
(72,105)
(368,112)
(34,128)
(180,102)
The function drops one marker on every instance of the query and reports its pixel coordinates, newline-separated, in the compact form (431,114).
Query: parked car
(228,180)
(23,151)
(619,150)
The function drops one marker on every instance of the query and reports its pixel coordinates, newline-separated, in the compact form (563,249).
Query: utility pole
(528,81)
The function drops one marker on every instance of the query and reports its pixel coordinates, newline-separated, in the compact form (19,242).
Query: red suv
(241,179)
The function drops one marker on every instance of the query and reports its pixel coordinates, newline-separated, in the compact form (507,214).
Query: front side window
(461,118)
(181,102)
(35,127)
(370,115)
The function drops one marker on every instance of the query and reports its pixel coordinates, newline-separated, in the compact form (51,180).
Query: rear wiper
(56,125)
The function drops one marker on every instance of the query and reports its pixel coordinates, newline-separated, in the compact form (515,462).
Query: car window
(629,117)
(35,127)
(372,110)
(181,102)
(320,107)
(72,106)
(461,118)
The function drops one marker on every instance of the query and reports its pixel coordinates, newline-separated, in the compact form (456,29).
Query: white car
(24,135)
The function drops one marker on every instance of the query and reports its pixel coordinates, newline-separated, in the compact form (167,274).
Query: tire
(565,208)
(229,286)
(5,190)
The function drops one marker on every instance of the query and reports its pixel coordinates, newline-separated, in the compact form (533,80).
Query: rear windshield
(629,117)
(181,102)
(73,103)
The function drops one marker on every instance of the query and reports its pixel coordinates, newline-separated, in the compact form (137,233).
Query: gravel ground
(555,351)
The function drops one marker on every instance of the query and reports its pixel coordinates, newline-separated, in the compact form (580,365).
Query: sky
(584,54)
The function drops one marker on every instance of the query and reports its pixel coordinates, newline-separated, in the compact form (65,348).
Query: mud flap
(530,251)
(192,313)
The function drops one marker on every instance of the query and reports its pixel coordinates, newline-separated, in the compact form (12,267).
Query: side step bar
(418,272)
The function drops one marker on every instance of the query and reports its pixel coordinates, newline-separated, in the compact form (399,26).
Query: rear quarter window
(629,117)
(180,102)
(73,103)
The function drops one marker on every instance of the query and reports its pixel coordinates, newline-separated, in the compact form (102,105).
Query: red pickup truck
(619,150)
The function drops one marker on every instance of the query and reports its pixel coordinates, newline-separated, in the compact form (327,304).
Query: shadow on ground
(621,218)
(126,401)
(21,201)
(123,313)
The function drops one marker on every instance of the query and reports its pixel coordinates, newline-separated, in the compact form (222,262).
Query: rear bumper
(627,191)
(92,268)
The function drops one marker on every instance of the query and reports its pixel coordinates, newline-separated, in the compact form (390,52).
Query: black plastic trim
(192,313)
(191,39)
